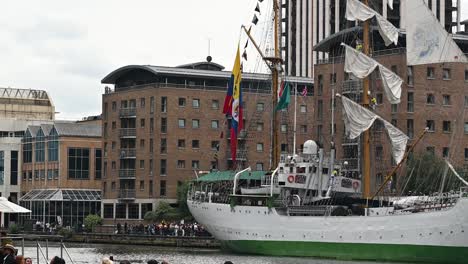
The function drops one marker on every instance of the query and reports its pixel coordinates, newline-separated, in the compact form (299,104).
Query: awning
(229,176)
(9,207)
(62,195)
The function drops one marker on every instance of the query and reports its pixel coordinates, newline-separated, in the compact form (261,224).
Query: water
(93,253)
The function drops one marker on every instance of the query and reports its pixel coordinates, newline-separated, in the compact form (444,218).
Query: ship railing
(463,192)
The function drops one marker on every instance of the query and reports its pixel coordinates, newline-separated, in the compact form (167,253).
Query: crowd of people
(110,260)
(164,229)
(9,254)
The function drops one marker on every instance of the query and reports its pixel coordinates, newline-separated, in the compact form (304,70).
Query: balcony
(352,86)
(241,135)
(240,154)
(127,132)
(127,194)
(128,153)
(127,173)
(127,112)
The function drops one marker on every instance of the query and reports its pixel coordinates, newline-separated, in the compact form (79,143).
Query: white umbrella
(9,207)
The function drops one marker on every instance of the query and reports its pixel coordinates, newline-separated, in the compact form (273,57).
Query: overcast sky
(67,47)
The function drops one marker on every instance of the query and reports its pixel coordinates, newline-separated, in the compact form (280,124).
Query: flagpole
(295,119)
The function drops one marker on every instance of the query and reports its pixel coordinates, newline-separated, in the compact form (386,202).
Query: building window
(446,99)
(284,148)
(142,102)
(113,144)
(109,211)
(162,188)
(113,186)
(78,163)
(410,128)
(259,126)
(320,109)
(195,143)
(182,102)
(259,147)
(163,149)
(320,85)
(332,78)
(214,124)
(142,187)
(378,152)
(142,164)
(466,75)
(430,73)
(446,74)
(142,123)
(151,104)
(181,143)
(114,125)
(259,166)
(52,146)
(379,98)
(466,101)
(150,188)
(215,145)
(97,163)
(151,166)
(260,107)
(430,124)
(195,123)
(303,108)
(121,210)
(163,125)
(195,164)
(284,128)
(2,167)
(181,123)
(196,103)
(40,146)
(214,104)
(27,147)
(303,128)
(14,168)
(394,69)
(466,154)
(430,99)
(410,77)
(113,166)
(446,126)
(114,106)
(394,108)
(163,168)
(151,127)
(164,104)
(142,143)
(181,164)
(465,128)
(445,152)
(410,104)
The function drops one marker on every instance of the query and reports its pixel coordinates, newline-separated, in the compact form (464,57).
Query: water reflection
(93,253)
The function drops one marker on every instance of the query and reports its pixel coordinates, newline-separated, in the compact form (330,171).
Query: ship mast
(275,75)
(365,103)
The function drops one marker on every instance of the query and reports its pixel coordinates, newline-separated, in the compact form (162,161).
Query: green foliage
(66,233)
(425,172)
(182,209)
(13,229)
(91,221)
(164,211)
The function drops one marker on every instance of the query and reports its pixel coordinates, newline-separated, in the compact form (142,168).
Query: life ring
(355,185)
(290,179)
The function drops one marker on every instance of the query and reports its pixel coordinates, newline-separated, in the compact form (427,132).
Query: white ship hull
(437,236)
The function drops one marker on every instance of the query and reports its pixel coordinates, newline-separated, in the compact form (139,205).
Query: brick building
(61,172)
(433,96)
(163,124)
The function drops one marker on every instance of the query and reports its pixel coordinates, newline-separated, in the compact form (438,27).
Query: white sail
(356,10)
(362,65)
(358,119)
(426,40)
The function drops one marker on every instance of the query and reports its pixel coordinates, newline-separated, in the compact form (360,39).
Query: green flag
(285,98)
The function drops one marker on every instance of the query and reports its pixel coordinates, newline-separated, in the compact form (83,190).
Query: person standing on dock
(9,254)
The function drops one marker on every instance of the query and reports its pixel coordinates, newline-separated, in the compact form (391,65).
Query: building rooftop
(68,129)
(62,195)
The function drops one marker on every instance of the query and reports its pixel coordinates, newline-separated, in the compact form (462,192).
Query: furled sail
(427,41)
(361,66)
(356,10)
(358,119)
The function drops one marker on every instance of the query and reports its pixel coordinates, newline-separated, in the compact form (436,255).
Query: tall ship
(310,203)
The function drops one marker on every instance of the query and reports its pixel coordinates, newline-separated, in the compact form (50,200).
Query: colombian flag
(233,103)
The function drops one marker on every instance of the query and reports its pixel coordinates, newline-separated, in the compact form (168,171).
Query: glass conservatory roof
(62,195)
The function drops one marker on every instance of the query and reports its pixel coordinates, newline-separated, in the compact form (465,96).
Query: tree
(91,221)
(182,190)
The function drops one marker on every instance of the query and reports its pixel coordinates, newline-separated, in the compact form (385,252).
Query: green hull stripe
(351,251)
